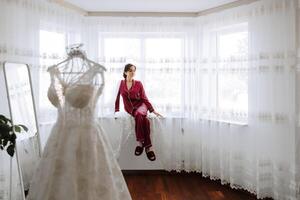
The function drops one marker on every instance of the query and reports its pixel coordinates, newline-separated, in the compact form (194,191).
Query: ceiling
(147,5)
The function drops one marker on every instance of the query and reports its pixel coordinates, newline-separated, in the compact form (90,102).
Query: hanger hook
(75,50)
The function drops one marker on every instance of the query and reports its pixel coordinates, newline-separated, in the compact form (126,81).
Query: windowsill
(152,116)
(238,123)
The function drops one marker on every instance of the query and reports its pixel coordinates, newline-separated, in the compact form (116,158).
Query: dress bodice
(76,98)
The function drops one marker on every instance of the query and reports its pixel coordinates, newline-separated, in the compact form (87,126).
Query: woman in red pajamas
(137,104)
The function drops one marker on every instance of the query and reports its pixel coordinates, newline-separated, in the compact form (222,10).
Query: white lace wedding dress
(77,163)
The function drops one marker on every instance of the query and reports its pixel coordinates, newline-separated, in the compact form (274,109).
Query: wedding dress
(77,163)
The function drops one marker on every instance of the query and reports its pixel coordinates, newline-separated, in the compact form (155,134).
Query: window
(232,69)
(158,62)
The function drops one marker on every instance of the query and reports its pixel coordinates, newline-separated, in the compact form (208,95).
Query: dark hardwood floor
(151,185)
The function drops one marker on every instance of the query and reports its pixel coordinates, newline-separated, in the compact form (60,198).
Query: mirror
(22,111)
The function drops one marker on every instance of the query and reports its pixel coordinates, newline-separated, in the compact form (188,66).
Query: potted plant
(7,134)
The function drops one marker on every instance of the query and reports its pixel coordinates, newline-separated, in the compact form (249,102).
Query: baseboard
(158,172)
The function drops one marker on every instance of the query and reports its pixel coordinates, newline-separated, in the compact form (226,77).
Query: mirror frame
(11,117)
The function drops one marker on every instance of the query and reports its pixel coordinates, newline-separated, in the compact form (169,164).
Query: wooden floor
(179,186)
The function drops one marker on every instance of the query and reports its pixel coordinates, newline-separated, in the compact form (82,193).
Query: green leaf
(11,150)
(5,135)
(4,119)
(24,127)
(17,129)
(12,138)
(4,128)
(4,142)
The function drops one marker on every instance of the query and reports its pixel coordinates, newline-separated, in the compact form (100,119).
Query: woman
(137,104)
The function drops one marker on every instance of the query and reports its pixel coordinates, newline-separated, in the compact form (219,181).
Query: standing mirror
(23,111)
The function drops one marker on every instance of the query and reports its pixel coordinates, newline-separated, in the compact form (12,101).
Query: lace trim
(269,193)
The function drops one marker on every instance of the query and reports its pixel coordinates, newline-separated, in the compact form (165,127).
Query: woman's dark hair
(127,68)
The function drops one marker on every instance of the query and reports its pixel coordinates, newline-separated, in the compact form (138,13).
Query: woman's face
(131,72)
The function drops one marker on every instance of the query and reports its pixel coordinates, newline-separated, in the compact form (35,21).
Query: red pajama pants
(142,126)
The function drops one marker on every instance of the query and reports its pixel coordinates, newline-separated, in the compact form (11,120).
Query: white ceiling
(147,5)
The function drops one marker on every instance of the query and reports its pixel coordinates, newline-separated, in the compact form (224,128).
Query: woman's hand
(157,114)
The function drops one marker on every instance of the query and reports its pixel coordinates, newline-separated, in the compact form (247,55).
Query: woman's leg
(142,126)
(142,129)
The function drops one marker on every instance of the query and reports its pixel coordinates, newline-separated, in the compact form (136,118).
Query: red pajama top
(132,98)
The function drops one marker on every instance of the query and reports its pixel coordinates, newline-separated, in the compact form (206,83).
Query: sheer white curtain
(272,89)
(18,44)
(21,24)
(240,124)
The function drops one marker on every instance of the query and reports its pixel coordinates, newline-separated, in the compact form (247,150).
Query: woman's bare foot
(139,144)
(149,149)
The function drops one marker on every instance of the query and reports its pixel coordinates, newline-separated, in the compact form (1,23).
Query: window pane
(233,93)
(232,69)
(233,45)
(118,49)
(163,48)
(163,73)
